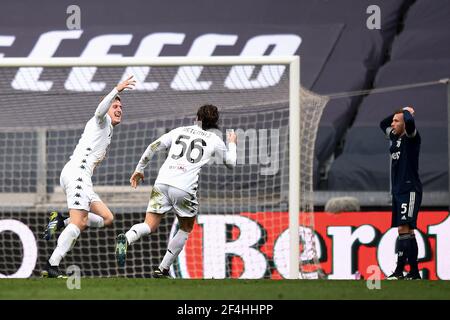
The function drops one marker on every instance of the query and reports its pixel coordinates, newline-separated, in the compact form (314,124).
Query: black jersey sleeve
(385,125)
(410,125)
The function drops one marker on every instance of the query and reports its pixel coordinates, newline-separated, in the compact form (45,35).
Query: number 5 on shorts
(404,208)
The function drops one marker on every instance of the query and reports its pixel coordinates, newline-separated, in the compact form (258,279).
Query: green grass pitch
(168,289)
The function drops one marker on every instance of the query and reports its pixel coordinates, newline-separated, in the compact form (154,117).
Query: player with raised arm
(85,207)
(176,186)
(400,128)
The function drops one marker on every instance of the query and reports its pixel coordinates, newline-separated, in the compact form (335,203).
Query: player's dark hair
(209,116)
(399,111)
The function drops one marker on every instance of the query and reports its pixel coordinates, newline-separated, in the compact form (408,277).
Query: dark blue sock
(413,252)
(402,252)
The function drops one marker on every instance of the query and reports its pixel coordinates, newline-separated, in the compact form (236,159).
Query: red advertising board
(255,245)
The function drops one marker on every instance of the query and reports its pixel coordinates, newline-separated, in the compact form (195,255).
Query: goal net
(255,221)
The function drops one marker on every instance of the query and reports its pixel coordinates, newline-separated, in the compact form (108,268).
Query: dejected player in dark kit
(400,128)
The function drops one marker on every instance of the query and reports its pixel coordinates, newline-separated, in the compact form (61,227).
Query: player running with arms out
(85,207)
(400,128)
(176,185)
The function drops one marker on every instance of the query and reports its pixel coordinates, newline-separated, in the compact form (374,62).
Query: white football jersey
(94,142)
(190,149)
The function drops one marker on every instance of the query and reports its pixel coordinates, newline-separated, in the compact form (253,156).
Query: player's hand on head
(410,110)
(136,177)
(126,84)
(232,137)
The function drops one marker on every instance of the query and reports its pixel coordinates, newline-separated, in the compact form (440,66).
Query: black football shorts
(405,208)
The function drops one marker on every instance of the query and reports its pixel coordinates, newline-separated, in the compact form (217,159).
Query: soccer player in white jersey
(176,186)
(85,207)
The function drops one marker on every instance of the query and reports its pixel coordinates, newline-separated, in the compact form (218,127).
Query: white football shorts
(77,186)
(165,198)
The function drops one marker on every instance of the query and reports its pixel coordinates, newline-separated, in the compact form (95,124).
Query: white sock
(174,249)
(66,241)
(95,221)
(137,231)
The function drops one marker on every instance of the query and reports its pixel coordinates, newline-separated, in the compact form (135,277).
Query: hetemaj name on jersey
(197,132)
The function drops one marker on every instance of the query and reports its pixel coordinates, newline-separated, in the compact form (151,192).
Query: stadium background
(339,54)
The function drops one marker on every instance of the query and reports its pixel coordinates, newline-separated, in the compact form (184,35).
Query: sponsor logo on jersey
(396,155)
(178,167)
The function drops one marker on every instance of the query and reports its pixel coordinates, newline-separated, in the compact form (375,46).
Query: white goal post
(295,104)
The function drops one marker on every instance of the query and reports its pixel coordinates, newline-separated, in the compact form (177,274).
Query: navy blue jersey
(404,151)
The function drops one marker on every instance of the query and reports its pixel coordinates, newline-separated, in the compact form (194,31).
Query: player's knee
(108,221)
(79,218)
(187,228)
(152,220)
(81,224)
(403,229)
(153,226)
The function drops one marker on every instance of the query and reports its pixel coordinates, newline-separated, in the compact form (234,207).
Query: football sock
(66,241)
(63,223)
(402,251)
(413,252)
(66,221)
(137,231)
(174,249)
(95,221)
